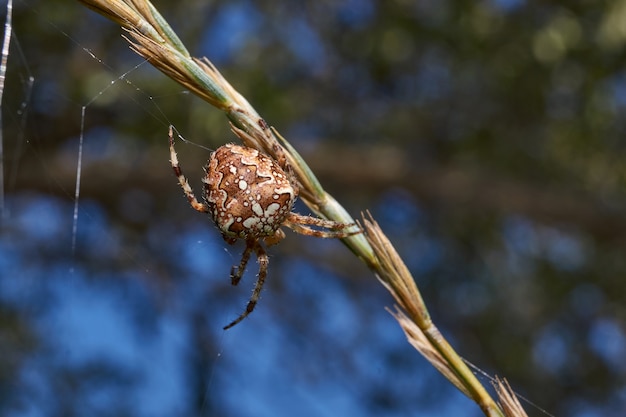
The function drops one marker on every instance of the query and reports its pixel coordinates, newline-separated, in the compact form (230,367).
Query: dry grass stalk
(415,320)
(152,38)
(508,400)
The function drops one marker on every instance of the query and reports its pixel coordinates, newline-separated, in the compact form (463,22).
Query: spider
(250,196)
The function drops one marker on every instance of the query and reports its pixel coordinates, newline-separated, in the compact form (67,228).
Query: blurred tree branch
(447,188)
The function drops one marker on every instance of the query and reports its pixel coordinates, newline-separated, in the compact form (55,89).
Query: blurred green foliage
(487,137)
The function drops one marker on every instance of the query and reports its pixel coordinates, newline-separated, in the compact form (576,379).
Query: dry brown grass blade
(394,274)
(179,67)
(508,400)
(420,342)
(417,324)
(152,38)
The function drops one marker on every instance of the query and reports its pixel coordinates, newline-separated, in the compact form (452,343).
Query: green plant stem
(153,39)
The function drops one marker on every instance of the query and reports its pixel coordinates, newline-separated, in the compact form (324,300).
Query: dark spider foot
(235,275)
(233,323)
(249,309)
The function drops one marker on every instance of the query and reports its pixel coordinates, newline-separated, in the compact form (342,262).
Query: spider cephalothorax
(250,196)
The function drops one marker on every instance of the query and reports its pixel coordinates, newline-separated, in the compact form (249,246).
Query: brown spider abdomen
(249,194)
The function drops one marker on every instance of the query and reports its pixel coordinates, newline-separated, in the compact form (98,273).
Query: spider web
(117,290)
(70,237)
(108,292)
(114,301)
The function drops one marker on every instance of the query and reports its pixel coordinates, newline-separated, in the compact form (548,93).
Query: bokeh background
(487,137)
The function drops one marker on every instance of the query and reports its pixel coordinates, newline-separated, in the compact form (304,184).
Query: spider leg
(203,208)
(256,293)
(275,239)
(300,224)
(316,221)
(309,231)
(236,272)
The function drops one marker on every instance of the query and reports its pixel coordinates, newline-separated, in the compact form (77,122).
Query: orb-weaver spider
(250,196)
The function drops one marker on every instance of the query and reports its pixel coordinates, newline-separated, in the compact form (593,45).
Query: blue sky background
(130,322)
